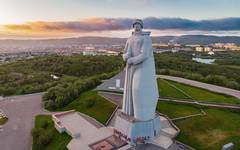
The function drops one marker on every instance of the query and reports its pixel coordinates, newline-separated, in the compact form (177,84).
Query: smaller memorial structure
(138,122)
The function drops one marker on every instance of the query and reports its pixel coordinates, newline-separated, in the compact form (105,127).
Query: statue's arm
(126,53)
(145,49)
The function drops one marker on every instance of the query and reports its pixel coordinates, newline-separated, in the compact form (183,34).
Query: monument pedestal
(136,131)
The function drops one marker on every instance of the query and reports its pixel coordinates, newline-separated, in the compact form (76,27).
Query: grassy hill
(175,90)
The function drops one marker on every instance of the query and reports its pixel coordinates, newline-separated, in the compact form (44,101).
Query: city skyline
(112,18)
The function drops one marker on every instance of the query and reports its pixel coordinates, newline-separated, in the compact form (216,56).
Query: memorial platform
(136,131)
(91,135)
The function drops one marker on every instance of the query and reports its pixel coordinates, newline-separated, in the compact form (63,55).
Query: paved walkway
(76,124)
(113,97)
(228,106)
(209,87)
(20,110)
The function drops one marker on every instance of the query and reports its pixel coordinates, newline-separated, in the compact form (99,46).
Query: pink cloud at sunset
(121,26)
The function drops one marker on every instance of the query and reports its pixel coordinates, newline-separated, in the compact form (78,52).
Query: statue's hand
(130,61)
(125,57)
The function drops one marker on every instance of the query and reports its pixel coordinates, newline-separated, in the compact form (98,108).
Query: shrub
(41,136)
(164,71)
(216,79)
(36,132)
(233,85)
(45,124)
(195,76)
(44,139)
(49,105)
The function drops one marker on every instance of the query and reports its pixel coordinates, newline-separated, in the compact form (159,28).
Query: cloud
(225,24)
(115,24)
(87,25)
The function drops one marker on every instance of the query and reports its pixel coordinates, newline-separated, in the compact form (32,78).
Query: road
(16,134)
(210,87)
(113,97)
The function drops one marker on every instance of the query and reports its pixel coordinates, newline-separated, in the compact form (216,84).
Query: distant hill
(186,39)
(62,42)
(203,39)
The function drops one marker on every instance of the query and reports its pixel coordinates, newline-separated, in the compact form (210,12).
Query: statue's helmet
(138,21)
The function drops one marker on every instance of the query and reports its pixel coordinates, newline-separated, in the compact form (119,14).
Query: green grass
(205,95)
(167,91)
(210,132)
(3,120)
(59,141)
(232,66)
(92,104)
(174,110)
(194,92)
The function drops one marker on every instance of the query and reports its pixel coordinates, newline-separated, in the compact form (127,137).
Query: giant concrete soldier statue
(137,122)
(140,91)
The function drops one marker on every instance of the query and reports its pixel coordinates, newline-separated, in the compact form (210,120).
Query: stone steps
(169,132)
(163,141)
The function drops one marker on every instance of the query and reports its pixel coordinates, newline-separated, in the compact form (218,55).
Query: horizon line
(62,38)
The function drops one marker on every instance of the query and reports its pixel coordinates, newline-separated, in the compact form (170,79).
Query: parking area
(20,110)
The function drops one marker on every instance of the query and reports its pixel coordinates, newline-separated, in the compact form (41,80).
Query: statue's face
(137,27)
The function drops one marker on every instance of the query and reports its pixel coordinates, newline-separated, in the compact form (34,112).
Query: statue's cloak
(140,89)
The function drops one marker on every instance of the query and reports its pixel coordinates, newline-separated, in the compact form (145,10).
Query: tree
(44,139)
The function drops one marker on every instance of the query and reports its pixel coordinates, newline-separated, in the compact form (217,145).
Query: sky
(68,18)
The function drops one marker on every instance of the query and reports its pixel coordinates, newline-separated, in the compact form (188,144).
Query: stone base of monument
(134,131)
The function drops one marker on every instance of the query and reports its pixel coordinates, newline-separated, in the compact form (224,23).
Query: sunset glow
(62,18)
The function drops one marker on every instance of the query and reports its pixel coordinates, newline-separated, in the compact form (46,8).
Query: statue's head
(138,25)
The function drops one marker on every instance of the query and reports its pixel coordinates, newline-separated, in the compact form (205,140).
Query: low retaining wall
(57,122)
(112,115)
(170,121)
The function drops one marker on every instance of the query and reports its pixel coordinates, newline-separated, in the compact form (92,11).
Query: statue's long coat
(140,89)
